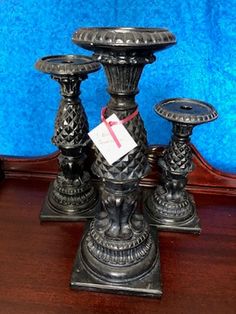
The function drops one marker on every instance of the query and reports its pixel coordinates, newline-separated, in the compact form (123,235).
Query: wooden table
(198,272)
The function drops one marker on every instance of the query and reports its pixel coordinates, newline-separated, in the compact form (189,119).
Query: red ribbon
(111,123)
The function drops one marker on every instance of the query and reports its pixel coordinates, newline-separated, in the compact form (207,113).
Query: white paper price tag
(106,144)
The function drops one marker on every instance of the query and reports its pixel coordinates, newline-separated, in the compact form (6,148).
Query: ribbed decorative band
(71,194)
(67,65)
(123,79)
(121,58)
(186,110)
(118,252)
(151,38)
(168,209)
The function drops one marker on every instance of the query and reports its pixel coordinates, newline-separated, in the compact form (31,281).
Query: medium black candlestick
(171,207)
(118,253)
(71,196)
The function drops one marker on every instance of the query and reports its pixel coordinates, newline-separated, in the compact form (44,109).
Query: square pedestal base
(49,213)
(148,286)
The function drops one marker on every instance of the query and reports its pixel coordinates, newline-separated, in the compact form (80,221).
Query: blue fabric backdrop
(201,65)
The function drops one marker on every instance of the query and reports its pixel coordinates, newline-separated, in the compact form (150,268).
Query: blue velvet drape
(201,65)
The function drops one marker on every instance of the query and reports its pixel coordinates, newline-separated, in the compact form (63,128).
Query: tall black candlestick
(118,253)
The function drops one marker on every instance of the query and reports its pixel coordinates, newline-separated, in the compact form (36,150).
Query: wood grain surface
(198,272)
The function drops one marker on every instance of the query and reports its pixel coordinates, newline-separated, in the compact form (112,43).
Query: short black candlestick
(71,196)
(118,253)
(171,207)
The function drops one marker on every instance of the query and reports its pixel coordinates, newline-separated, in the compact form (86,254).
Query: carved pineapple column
(71,195)
(171,207)
(118,253)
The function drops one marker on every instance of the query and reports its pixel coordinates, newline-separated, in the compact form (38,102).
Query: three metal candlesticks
(119,251)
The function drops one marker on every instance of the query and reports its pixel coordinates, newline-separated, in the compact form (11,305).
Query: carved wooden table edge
(203,179)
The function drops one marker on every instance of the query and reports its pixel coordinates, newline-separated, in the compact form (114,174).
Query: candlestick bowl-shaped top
(186,110)
(124,38)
